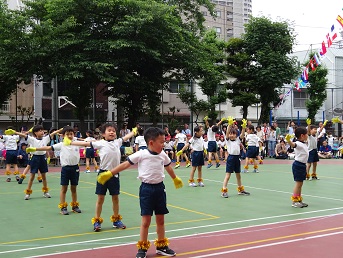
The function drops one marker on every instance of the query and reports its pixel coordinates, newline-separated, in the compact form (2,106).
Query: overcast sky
(312,18)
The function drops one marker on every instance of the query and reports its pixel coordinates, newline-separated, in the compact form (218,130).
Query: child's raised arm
(33,149)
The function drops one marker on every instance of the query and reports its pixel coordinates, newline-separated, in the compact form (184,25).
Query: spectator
(23,157)
(123,132)
(186,130)
(325,151)
(281,150)
(77,133)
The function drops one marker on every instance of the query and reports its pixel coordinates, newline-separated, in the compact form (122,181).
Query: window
(218,30)
(218,14)
(299,98)
(47,90)
(5,107)
(175,86)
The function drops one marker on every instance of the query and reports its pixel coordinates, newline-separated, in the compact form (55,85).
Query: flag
(296,84)
(304,75)
(312,64)
(340,20)
(316,59)
(328,39)
(323,50)
(333,32)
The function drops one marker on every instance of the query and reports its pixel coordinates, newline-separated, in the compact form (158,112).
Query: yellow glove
(179,153)
(10,132)
(84,152)
(66,141)
(135,131)
(335,120)
(223,119)
(288,137)
(205,118)
(244,123)
(104,177)
(177,182)
(325,122)
(230,120)
(205,151)
(308,121)
(30,149)
(30,130)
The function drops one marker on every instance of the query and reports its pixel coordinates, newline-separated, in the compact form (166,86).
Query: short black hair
(233,131)
(37,128)
(140,131)
(152,133)
(251,127)
(90,132)
(312,127)
(67,129)
(299,131)
(104,127)
(215,128)
(196,129)
(10,127)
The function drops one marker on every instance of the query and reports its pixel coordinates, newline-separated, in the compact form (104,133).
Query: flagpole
(292,104)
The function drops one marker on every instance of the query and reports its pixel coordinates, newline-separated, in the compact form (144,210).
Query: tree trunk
(264,115)
(245,112)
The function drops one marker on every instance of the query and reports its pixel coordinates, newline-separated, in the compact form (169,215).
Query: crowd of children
(155,151)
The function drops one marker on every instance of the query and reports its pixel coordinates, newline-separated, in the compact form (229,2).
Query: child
(212,144)
(179,143)
(38,161)
(70,158)
(168,148)
(109,153)
(313,157)
(90,156)
(233,163)
(252,152)
(139,141)
(10,141)
(197,146)
(23,157)
(152,194)
(299,164)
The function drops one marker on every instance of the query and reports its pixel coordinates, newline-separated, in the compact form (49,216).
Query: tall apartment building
(231,15)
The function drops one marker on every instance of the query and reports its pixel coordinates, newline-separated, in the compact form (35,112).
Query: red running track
(316,237)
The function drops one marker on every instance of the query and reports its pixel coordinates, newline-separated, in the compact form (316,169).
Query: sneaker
(64,211)
(8,179)
(27,197)
(304,204)
(243,193)
(166,251)
(256,170)
(209,165)
(314,178)
(177,166)
(17,178)
(97,171)
(87,171)
(119,224)
(20,181)
(76,209)
(201,184)
(217,165)
(225,195)
(297,205)
(141,253)
(245,171)
(192,184)
(46,195)
(188,165)
(40,181)
(97,226)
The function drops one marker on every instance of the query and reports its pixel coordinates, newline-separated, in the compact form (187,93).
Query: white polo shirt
(233,147)
(150,165)
(89,139)
(211,136)
(109,153)
(252,139)
(11,141)
(181,138)
(34,142)
(312,142)
(140,141)
(301,152)
(69,154)
(197,144)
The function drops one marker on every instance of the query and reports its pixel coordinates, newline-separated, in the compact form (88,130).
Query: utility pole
(54,100)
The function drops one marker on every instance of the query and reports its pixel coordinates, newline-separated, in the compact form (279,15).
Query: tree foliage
(268,44)
(316,89)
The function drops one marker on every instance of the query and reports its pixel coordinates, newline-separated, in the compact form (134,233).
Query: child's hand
(30,149)
(223,119)
(205,151)
(104,177)
(325,122)
(30,130)
(335,120)
(244,123)
(288,137)
(230,120)
(179,153)
(10,132)
(178,182)
(205,118)
(308,121)
(66,141)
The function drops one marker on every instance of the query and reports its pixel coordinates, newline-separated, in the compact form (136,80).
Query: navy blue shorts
(212,146)
(299,171)
(112,185)
(153,198)
(180,146)
(90,153)
(38,162)
(70,173)
(233,164)
(313,156)
(197,158)
(11,157)
(252,152)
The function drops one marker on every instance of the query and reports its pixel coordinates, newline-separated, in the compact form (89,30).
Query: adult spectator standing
(77,133)
(265,128)
(125,131)
(186,130)
(166,131)
(277,131)
(291,127)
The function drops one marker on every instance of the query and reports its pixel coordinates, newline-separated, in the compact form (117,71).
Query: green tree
(316,89)
(242,91)
(268,44)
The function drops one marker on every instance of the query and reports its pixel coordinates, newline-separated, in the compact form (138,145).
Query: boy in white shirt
(152,194)
(299,164)
(69,158)
(139,141)
(313,157)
